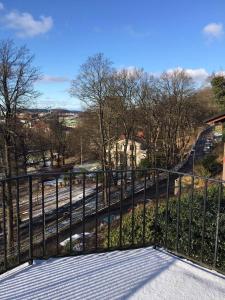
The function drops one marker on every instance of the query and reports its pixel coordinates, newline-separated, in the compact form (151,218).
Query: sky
(157,35)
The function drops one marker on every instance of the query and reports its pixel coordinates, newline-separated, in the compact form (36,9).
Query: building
(136,151)
(218,123)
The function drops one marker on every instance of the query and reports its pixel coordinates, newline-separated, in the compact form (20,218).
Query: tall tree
(126,84)
(175,112)
(92,87)
(218,87)
(17,77)
(58,137)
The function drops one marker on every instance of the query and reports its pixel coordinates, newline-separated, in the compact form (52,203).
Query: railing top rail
(57,174)
(189,174)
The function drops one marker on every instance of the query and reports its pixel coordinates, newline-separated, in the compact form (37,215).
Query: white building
(136,151)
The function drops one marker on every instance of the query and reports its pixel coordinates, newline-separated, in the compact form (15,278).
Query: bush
(126,237)
(158,230)
(211,165)
(145,164)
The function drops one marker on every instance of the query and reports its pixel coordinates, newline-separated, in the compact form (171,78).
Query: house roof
(216,119)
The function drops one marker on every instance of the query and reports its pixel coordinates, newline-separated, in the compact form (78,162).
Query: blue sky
(154,34)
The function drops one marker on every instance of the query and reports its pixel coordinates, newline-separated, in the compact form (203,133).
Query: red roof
(216,119)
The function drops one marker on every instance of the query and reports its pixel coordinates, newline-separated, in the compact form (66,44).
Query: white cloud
(213,30)
(1,6)
(198,75)
(53,79)
(25,25)
(219,73)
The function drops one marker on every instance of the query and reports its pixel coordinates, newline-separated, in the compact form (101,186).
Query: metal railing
(58,214)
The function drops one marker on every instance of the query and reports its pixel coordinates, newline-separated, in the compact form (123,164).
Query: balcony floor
(133,274)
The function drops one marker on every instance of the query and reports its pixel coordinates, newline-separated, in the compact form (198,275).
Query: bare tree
(92,87)
(175,114)
(17,76)
(126,84)
(147,118)
(58,137)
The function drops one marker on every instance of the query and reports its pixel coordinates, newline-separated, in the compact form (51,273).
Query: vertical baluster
(71,216)
(167,205)
(191,198)
(83,219)
(57,216)
(217,224)
(4,225)
(18,219)
(203,218)
(121,210)
(132,199)
(178,216)
(109,204)
(30,221)
(156,179)
(144,209)
(43,216)
(96,214)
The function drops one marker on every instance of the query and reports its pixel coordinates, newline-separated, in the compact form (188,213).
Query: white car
(53,182)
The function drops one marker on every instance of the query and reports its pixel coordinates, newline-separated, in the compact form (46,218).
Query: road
(199,151)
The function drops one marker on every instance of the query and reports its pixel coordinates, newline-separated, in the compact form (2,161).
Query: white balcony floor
(134,274)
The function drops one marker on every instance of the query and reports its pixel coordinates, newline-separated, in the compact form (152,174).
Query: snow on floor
(134,274)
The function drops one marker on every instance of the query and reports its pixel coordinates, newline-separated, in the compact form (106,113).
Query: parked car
(53,182)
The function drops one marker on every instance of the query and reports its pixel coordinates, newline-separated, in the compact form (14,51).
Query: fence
(53,215)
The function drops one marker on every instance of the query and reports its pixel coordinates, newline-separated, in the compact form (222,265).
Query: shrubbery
(211,164)
(159,228)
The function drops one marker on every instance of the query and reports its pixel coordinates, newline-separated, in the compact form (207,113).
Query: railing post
(156,208)
(43,217)
(191,198)
(108,176)
(71,216)
(203,218)
(4,226)
(30,221)
(167,205)
(178,216)
(57,216)
(144,209)
(132,198)
(217,224)
(18,219)
(96,213)
(83,221)
(121,210)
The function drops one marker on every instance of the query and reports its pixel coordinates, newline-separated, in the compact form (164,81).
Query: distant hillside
(44,110)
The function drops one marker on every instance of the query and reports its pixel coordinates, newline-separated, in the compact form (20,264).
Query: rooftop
(216,118)
(143,273)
